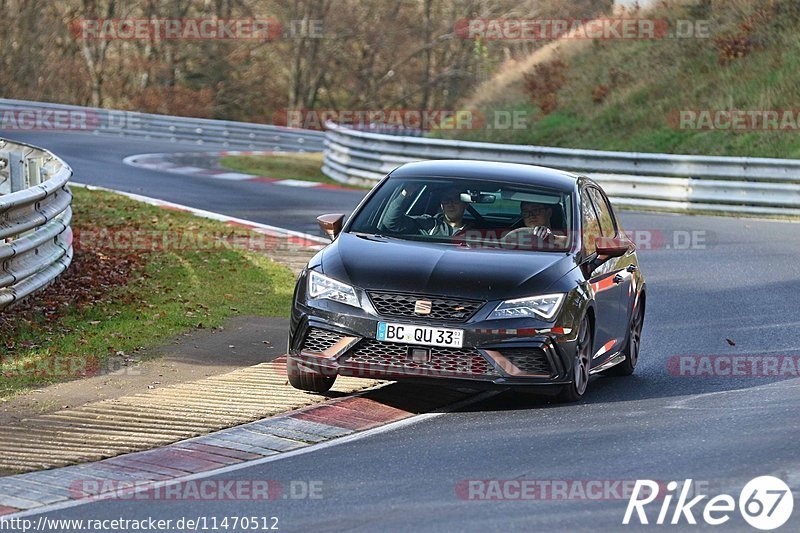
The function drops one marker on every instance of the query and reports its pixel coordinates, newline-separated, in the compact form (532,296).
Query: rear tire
(580,367)
(307,379)
(632,346)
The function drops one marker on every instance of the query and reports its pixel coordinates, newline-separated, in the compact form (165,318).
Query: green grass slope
(626,94)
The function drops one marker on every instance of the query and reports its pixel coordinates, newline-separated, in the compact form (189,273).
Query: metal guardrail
(742,185)
(27,115)
(35,215)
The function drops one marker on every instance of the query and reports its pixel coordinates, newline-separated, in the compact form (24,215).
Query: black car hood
(437,269)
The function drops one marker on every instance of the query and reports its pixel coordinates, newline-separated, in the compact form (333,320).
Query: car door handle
(632,268)
(618,278)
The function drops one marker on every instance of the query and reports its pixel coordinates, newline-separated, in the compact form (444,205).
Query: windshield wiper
(370,236)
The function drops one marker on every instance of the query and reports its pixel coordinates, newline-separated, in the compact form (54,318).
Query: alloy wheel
(583,358)
(636,336)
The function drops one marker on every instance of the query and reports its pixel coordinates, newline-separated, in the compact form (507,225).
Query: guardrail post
(16,172)
(34,166)
(5,179)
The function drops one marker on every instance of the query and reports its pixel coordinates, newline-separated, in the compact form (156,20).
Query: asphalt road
(97,160)
(740,285)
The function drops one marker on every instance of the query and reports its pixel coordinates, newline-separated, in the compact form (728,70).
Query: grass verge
(140,275)
(629,94)
(300,166)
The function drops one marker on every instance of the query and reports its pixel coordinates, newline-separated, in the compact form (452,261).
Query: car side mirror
(613,246)
(331,224)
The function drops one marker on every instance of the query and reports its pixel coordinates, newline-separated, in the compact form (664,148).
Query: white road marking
(297,183)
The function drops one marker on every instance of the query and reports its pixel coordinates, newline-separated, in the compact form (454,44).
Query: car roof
(508,172)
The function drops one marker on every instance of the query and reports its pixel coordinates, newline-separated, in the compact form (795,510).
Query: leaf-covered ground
(140,275)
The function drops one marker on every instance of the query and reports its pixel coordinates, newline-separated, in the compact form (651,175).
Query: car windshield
(475,214)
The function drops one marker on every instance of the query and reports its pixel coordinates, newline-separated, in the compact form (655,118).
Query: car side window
(606,219)
(590,227)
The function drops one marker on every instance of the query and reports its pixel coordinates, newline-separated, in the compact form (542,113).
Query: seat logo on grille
(423,307)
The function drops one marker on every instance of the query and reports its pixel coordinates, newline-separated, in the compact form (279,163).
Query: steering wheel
(518,238)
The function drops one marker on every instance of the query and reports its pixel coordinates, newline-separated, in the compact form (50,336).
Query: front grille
(371,353)
(318,340)
(445,309)
(528,360)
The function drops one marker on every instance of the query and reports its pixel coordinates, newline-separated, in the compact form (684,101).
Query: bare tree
(370,55)
(94,50)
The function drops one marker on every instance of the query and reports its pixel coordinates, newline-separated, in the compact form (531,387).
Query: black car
(475,273)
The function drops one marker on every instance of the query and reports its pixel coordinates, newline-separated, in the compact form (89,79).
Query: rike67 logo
(765,503)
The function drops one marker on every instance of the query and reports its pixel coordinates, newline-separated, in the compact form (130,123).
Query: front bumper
(335,339)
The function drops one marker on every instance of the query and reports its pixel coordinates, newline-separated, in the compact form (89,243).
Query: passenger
(446,223)
(536,218)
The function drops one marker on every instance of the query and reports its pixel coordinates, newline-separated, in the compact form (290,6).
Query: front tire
(580,367)
(307,379)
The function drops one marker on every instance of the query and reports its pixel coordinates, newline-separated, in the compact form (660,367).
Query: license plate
(422,335)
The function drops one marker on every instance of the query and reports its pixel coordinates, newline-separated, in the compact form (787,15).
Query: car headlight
(545,307)
(324,288)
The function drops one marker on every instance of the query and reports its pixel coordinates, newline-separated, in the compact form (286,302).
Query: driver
(536,218)
(446,223)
